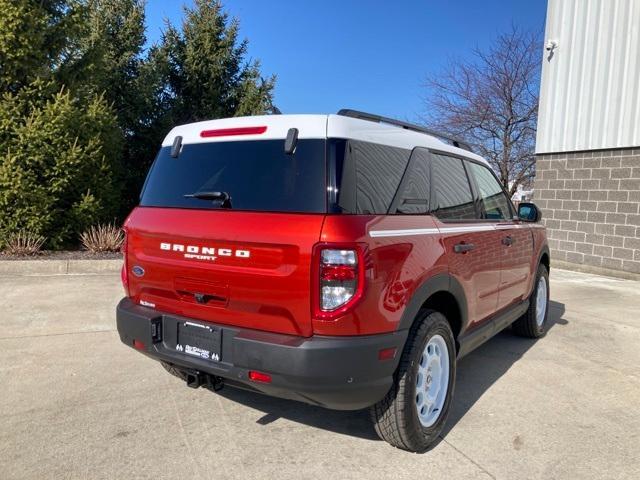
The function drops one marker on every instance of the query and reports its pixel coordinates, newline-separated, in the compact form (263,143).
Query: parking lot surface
(76,403)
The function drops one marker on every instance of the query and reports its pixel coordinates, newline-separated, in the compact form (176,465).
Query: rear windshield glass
(256,175)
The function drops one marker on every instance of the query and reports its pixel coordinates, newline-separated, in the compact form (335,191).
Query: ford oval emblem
(137,270)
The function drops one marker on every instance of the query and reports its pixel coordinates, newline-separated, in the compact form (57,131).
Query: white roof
(314,126)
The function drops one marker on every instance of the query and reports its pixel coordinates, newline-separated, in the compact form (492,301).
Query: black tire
(175,371)
(527,325)
(395,417)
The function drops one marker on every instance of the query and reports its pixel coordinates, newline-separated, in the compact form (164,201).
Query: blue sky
(368,55)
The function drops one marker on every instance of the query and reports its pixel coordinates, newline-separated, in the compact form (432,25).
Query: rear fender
(438,283)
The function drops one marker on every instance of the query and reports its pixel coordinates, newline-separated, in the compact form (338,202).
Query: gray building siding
(588,140)
(591,206)
(590,96)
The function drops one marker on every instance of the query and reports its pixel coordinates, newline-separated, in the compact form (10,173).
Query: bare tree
(491,101)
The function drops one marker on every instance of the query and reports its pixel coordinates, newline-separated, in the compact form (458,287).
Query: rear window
(257,175)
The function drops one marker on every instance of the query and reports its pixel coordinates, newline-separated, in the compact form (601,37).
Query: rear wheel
(414,411)
(533,324)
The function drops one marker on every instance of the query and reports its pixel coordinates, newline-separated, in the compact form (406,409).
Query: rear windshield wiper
(224,197)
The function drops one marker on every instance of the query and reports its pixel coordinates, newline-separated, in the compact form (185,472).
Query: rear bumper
(342,373)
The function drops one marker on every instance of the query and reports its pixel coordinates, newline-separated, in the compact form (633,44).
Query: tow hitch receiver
(196,379)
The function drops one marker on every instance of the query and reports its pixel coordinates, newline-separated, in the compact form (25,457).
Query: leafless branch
(491,102)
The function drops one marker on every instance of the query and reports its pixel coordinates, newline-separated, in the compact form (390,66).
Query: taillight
(340,281)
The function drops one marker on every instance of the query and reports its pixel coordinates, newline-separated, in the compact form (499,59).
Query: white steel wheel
(541,301)
(432,381)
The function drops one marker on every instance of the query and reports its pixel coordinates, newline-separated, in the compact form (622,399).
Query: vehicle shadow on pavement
(355,424)
(476,373)
(485,365)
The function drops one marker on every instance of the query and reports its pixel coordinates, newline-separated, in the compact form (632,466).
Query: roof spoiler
(345,112)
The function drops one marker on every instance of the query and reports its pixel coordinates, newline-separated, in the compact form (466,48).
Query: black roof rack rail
(345,112)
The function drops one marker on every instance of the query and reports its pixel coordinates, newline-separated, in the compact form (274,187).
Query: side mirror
(528,212)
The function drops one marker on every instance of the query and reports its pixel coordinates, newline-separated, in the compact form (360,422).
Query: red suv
(346,261)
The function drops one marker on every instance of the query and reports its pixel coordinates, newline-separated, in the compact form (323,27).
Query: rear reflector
(124,278)
(124,273)
(387,353)
(259,377)
(137,344)
(230,132)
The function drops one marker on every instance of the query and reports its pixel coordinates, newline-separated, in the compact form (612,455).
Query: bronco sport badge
(204,253)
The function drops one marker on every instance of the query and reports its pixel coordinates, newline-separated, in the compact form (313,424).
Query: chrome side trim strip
(403,233)
(468,229)
(431,231)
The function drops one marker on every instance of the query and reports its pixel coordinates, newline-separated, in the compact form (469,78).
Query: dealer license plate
(199,340)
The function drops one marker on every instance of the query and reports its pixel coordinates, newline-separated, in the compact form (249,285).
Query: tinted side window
(452,196)
(414,191)
(495,202)
(367,176)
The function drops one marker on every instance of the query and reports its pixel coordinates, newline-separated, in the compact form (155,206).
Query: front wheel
(533,324)
(414,412)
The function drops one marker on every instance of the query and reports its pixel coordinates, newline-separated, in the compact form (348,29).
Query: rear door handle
(463,247)
(507,241)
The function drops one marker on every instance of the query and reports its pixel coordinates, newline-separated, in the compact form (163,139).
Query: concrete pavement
(75,403)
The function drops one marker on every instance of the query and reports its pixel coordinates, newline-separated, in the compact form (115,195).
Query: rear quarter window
(257,175)
(367,175)
(415,188)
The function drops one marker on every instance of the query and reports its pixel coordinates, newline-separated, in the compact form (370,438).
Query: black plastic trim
(342,373)
(438,283)
(544,249)
(476,337)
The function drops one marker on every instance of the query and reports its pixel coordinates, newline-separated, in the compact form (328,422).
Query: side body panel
(516,240)
(477,270)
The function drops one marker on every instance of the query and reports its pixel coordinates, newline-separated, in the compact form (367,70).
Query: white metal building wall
(590,91)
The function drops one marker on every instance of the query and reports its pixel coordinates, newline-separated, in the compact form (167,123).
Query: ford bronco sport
(346,261)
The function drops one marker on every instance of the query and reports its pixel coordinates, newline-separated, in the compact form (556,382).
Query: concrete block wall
(590,204)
